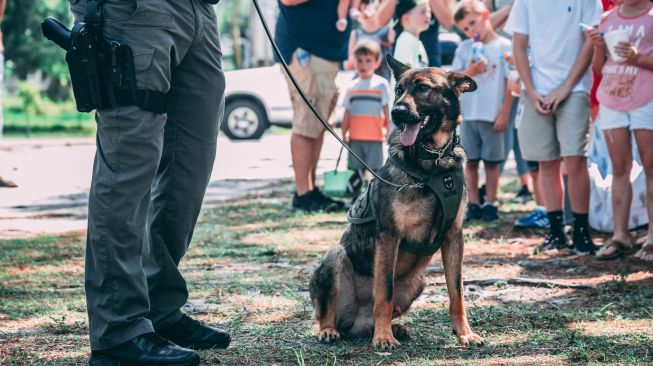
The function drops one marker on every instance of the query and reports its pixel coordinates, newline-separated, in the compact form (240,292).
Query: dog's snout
(400,111)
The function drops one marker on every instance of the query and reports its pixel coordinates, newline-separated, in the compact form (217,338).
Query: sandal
(7,183)
(613,249)
(646,253)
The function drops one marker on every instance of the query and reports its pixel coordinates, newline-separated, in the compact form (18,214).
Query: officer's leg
(129,147)
(194,111)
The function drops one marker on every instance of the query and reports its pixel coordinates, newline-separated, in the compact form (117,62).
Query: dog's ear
(461,83)
(398,69)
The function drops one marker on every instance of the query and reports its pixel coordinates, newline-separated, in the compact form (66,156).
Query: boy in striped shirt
(365,123)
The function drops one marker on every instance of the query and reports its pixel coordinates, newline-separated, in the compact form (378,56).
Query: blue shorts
(482,142)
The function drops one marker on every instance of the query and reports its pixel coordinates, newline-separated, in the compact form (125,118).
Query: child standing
(626,107)
(372,30)
(554,127)
(365,122)
(486,111)
(413,17)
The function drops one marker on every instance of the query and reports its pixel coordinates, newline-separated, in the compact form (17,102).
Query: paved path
(54,178)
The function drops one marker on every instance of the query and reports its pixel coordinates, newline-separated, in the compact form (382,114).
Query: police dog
(376,272)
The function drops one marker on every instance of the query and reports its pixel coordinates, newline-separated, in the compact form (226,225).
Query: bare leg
(644,140)
(535,178)
(301,150)
(579,183)
(550,177)
(620,149)
(492,181)
(471,173)
(316,150)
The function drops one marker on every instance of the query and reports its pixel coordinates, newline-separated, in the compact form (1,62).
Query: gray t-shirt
(485,103)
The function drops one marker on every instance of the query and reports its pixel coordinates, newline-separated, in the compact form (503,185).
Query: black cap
(403,7)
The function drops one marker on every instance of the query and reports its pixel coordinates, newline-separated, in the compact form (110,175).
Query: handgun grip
(56,32)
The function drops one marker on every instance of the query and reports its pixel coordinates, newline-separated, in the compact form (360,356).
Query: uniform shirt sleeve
(592,12)
(518,19)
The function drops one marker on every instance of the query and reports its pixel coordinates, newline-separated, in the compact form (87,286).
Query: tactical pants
(151,170)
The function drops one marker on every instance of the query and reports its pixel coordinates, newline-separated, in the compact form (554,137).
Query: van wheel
(244,120)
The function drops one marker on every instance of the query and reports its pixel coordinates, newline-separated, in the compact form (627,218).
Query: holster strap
(147,100)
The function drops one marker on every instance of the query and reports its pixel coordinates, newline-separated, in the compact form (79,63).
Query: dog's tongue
(409,134)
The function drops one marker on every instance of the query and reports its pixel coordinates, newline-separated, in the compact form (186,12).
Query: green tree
(26,47)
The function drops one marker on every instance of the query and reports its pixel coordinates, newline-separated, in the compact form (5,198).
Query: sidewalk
(54,175)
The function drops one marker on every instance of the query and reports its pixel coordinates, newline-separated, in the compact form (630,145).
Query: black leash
(308,103)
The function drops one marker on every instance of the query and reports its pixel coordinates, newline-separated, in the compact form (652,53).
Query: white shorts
(636,119)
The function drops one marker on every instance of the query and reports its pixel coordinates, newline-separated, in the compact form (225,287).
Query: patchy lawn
(248,269)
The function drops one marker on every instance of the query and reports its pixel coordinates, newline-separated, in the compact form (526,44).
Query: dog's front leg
(385,258)
(452,260)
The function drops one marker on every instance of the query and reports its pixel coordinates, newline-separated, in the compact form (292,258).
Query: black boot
(190,333)
(146,349)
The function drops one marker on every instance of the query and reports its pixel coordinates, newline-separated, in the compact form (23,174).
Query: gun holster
(101,71)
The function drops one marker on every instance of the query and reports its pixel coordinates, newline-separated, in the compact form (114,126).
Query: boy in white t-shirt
(555,120)
(485,111)
(413,16)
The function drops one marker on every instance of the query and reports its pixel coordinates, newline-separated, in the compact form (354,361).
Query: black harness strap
(448,188)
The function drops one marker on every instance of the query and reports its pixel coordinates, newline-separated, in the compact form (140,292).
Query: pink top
(625,86)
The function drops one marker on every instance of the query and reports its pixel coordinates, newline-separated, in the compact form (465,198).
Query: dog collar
(423,152)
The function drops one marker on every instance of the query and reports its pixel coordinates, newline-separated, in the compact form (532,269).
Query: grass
(248,269)
(17,124)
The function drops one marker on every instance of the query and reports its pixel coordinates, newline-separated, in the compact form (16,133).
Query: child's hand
(509,59)
(555,97)
(501,123)
(476,68)
(627,51)
(538,102)
(595,36)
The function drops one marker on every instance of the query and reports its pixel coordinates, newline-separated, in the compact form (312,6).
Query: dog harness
(446,185)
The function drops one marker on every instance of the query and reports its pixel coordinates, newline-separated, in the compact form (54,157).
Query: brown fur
(362,284)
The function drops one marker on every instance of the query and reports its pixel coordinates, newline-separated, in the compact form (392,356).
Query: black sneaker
(328,204)
(553,241)
(583,244)
(474,212)
(305,202)
(489,212)
(523,196)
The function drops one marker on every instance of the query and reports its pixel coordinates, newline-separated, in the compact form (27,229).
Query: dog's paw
(400,331)
(328,335)
(385,343)
(470,339)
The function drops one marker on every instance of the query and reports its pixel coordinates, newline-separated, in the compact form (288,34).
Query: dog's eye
(422,88)
(399,90)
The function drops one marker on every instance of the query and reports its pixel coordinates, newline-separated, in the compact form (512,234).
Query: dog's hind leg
(324,291)
(452,260)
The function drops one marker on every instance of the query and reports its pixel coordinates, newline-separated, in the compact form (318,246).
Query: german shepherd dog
(369,279)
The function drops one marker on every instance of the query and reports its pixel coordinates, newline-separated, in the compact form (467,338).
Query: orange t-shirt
(365,100)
